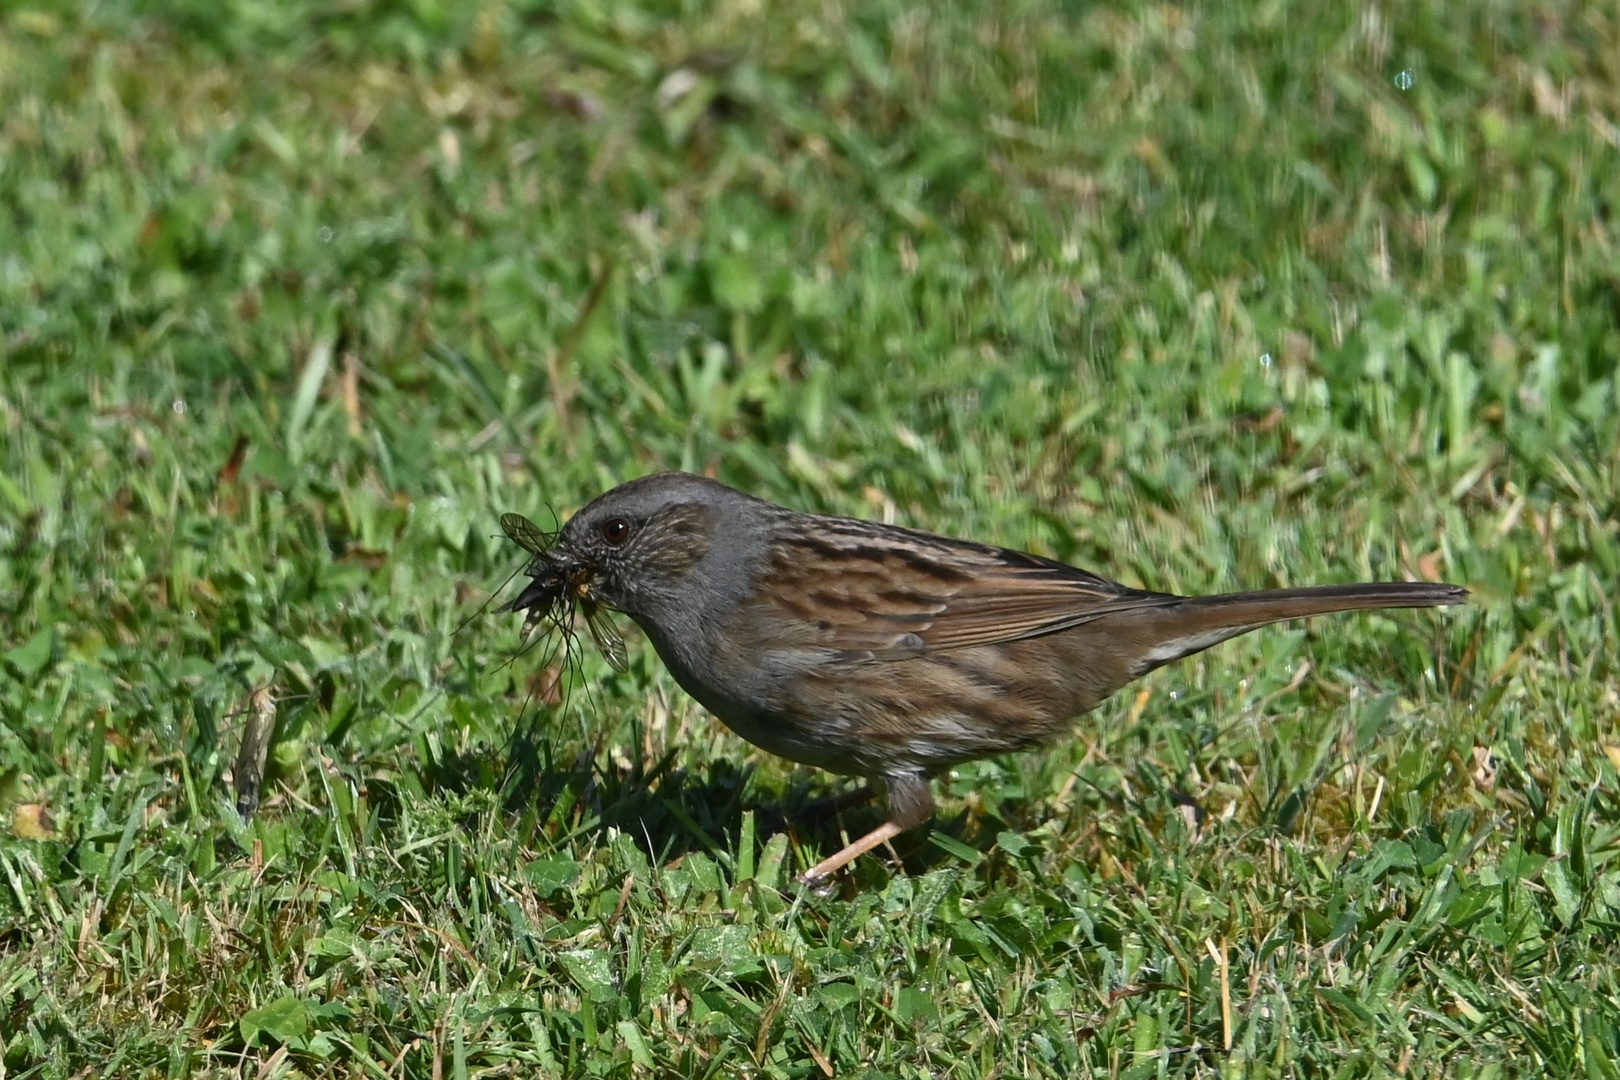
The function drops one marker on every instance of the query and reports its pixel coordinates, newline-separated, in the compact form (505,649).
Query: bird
(875,650)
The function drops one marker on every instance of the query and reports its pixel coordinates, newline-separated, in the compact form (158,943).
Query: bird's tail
(1192,624)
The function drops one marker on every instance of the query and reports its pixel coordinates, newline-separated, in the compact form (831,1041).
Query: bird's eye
(616,531)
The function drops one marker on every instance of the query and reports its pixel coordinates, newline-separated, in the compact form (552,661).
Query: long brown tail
(1195,623)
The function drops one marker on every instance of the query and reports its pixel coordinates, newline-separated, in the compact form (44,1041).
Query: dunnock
(875,650)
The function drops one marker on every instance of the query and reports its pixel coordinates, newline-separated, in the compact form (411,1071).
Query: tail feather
(1274,604)
(1197,622)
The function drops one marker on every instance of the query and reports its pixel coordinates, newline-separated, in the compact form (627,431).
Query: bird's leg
(833,863)
(911,803)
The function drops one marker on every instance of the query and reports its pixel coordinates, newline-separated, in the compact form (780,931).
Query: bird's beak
(550,575)
(540,593)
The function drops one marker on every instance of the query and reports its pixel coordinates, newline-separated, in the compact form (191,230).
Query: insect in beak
(555,585)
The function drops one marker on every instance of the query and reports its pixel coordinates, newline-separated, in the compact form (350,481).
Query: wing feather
(890,593)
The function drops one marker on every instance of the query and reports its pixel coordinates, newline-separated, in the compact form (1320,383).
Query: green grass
(1201,298)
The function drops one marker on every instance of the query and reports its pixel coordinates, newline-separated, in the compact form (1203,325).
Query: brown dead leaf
(546,685)
(1263,425)
(232,468)
(370,558)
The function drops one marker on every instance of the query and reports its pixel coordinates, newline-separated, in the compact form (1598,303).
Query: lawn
(297,298)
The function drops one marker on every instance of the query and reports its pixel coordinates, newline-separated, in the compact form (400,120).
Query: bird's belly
(927,713)
(825,746)
(757,702)
(871,717)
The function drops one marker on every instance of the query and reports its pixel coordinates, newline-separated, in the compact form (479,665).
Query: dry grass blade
(258,730)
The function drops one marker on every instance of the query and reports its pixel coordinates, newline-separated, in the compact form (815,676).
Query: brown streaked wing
(892,592)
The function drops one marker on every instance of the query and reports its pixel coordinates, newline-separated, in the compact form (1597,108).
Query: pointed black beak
(539,595)
(549,576)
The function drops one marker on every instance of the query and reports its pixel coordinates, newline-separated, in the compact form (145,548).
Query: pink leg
(834,863)
(911,803)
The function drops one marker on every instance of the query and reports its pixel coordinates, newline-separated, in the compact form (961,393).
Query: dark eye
(615,531)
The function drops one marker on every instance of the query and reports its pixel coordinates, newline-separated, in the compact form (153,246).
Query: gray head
(662,547)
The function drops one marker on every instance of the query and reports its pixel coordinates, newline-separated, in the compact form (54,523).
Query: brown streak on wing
(891,593)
